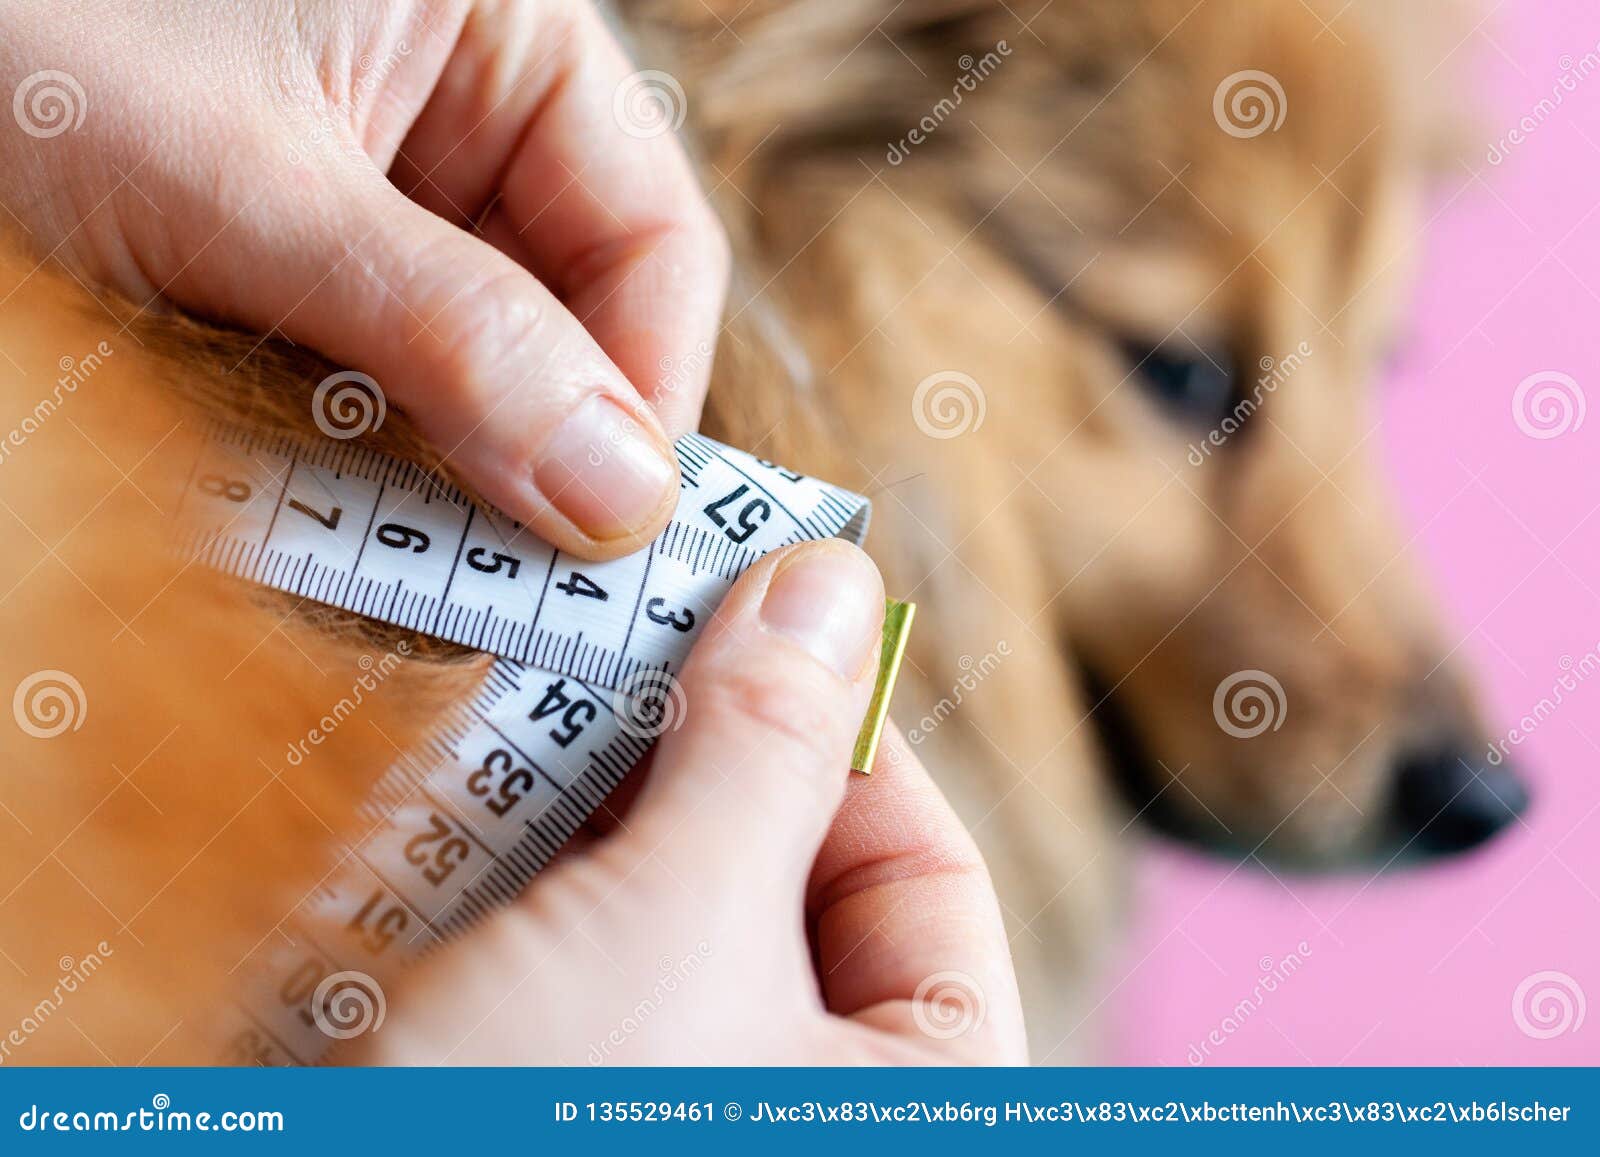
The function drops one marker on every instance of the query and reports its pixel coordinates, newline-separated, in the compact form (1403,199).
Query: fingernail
(830,601)
(605,472)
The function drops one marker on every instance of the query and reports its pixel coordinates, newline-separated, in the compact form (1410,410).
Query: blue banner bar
(431,1111)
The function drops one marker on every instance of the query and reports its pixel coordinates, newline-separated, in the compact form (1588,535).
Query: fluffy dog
(1094,299)
(1091,300)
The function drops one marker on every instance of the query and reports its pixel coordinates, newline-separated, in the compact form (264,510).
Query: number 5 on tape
(582,685)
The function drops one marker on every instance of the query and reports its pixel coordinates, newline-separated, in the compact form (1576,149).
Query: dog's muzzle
(1442,802)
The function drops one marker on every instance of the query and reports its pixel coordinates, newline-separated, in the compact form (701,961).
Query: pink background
(1420,967)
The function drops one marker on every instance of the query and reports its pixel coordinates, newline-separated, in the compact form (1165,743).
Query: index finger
(595,194)
(908,930)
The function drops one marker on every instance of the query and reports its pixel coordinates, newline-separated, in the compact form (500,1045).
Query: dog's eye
(1195,387)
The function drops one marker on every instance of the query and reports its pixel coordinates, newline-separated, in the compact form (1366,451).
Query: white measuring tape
(582,686)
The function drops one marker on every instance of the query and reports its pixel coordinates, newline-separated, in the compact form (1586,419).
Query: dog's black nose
(1451,803)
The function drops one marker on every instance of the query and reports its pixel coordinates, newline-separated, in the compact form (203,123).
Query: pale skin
(444,195)
(757,904)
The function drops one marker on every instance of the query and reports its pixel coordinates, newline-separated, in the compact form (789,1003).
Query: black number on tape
(582,584)
(656,611)
(403,537)
(496,562)
(232,489)
(575,713)
(439,862)
(377,923)
(330,519)
(517,783)
(751,516)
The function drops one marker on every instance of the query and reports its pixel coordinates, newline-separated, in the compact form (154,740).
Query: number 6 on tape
(582,684)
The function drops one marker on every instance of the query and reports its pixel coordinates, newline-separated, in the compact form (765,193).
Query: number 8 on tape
(581,687)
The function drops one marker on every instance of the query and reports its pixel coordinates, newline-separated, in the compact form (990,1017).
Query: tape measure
(583,682)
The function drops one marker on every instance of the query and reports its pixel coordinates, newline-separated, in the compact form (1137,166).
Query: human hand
(742,913)
(455,197)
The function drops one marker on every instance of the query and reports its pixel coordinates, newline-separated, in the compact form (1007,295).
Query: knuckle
(473,326)
(718,246)
(799,714)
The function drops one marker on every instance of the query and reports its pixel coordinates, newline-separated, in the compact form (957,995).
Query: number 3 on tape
(581,687)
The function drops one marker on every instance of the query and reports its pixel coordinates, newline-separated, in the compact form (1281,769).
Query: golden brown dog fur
(1082,197)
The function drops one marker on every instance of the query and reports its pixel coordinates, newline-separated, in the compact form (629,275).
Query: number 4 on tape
(582,684)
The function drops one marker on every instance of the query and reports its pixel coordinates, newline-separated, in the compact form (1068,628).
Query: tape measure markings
(459,824)
(439,595)
(523,852)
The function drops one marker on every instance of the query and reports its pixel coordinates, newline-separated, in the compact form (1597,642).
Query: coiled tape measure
(581,686)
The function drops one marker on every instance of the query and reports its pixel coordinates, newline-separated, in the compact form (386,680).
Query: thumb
(740,796)
(504,381)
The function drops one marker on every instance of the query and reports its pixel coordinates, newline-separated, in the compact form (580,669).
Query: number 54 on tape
(582,684)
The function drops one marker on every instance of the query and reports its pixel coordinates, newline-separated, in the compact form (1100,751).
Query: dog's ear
(770,85)
(163,804)
(784,75)
(1426,52)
